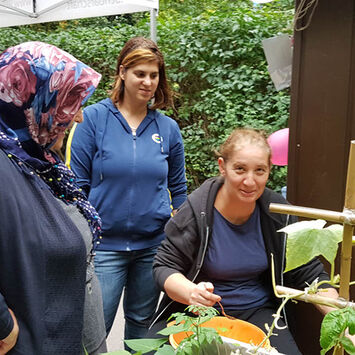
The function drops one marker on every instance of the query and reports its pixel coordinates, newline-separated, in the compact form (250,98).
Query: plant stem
(277,316)
(332,270)
(328,282)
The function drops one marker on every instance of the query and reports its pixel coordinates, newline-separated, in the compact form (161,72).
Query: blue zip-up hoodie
(133,180)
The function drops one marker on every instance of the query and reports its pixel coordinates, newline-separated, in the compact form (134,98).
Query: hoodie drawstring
(160,137)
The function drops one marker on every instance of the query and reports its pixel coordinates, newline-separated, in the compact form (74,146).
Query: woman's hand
(202,295)
(182,290)
(9,342)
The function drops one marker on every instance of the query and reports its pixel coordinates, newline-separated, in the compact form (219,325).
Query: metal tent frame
(22,12)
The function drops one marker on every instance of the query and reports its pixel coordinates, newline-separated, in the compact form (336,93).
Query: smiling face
(140,81)
(246,173)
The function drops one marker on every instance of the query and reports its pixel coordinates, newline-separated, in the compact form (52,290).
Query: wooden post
(346,247)
(346,217)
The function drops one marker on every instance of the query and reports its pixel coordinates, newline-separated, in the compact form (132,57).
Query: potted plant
(197,337)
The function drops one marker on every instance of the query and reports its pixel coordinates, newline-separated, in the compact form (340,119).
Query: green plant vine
(309,239)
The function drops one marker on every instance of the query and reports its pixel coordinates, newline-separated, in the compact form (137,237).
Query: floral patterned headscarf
(41,89)
(47,84)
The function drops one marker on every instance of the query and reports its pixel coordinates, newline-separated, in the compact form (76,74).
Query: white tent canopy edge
(24,12)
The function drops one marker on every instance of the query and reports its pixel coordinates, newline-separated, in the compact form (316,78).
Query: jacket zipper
(205,230)
(132,185)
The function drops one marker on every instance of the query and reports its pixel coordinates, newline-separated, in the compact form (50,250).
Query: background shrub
(215,63)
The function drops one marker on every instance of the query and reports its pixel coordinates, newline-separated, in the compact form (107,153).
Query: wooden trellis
(347,218)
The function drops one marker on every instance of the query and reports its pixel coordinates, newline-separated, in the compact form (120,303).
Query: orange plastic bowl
(234,328)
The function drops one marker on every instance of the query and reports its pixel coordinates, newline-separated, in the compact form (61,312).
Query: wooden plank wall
(322,124)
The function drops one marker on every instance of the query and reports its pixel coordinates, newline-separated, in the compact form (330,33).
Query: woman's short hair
(136,51)
(241,137)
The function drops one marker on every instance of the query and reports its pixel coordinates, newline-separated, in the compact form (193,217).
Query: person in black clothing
(48,228)
(219,244)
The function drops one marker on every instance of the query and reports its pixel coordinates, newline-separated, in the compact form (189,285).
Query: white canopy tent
(23,12)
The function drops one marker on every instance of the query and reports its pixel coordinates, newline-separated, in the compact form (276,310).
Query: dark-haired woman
(129,159)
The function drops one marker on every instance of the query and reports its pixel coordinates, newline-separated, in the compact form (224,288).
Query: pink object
(279,146)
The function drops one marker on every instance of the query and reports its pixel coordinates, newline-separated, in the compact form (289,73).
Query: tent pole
(20,11)
(153,24)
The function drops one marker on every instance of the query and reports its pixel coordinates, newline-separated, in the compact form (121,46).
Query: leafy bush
(218,69)
(215,63)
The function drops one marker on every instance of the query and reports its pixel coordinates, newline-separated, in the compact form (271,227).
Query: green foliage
(143,346)
(305,240)
(165,350)
(308,239)
(278,178)
(333,329)
(201,336)
(215,63)
(219,73)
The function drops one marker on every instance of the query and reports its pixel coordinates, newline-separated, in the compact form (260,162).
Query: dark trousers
(283,341)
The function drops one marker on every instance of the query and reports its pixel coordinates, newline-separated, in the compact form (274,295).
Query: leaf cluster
(188,321)
(306,240)
(333,330)
(201,336)
(219,75)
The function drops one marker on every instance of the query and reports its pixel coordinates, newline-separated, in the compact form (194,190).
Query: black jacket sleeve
(304,275)
(178,251)
(6,322)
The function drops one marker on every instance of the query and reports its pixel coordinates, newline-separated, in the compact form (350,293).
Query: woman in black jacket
(219,244)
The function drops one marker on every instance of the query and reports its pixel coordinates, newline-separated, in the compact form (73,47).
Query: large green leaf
(348,345)
(173,329)
(333,325)
(351,320)
(145,345)
(118,352)
(308,239)
(165,350)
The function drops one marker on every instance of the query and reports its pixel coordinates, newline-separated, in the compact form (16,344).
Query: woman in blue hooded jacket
(129,159)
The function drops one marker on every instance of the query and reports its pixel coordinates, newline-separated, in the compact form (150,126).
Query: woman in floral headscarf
(48,229)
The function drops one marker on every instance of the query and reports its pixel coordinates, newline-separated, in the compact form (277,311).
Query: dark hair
(136,51)
(241,137)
